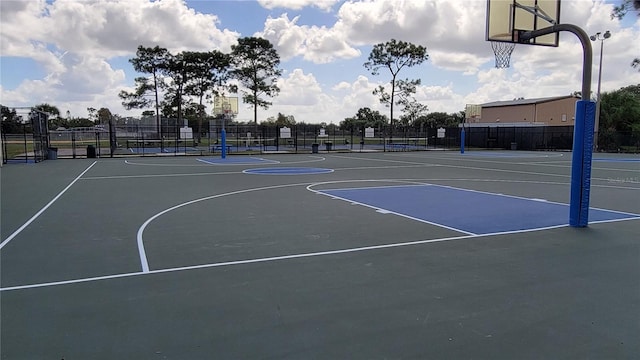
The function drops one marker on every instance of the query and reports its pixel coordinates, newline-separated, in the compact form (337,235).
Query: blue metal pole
(462,141)
(223,139)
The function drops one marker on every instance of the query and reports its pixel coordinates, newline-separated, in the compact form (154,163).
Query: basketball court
(364,255)
(348,255)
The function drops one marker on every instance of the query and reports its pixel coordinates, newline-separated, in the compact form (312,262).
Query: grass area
(630,149)
(67,144)
(18,149)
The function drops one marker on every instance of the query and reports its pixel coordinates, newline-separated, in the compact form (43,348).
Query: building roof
(525,101)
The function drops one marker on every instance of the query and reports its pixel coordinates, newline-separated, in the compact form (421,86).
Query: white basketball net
(503,51)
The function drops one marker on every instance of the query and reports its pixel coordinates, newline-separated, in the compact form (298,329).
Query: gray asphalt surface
(258,266)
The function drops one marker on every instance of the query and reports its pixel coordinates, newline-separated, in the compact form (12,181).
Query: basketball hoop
(225,106)
(502,51)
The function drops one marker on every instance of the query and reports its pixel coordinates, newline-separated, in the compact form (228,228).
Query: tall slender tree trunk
(393,92)
(155,86)
(255,114)
(200,119)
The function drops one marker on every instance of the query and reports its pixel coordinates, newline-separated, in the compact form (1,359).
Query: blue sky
(74,54)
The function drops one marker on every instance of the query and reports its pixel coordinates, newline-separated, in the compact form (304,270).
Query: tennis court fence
(173,138)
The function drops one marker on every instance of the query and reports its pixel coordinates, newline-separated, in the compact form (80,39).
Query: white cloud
(297,4)
(451,24)
(303,97)
(114,28)
(299,89)
(315,44)
(72,41)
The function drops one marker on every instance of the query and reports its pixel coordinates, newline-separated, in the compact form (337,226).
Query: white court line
(141,250)
(381,160)
(422,182)
(284,257)
(206,163)
(237,262)
(474,168)
(279,258)
(544,164)
(405,183)
(128,162)
(263,161)
(159,175)
(15,233)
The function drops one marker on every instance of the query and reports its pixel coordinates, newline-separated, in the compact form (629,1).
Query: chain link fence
(172,138)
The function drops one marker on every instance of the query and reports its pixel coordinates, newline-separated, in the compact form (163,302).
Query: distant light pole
(602,38)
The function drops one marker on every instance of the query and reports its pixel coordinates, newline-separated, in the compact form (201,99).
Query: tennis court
(345,255)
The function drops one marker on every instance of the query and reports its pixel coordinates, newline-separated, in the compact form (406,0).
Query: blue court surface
(470,212)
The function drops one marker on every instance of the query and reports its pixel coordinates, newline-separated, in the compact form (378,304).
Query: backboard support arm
(536,11)
(587,59)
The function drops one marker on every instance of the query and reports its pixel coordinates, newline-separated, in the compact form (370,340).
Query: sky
(74,54)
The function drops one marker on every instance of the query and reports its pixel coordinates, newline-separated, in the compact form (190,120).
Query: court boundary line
(139,236)
(237,262)
(262,161)
(206,164)
(283,257)
(536,163)
(484,169)
(44,208)
(112,177)
(266,171)
(279,258)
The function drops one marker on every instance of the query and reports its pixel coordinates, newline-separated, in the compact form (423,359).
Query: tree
(412,111)
(104,116)
(280,120)
(147,61)
(394,56)
(619,114)
(436,119)
(174,69)
(93,114)
(620,11)
(49,109)
(54,121)
(365,117)
(208,75)
(138,98)
(255,66)
(10,120)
